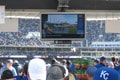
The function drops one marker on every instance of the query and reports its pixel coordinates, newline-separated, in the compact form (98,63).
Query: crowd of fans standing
(38,69)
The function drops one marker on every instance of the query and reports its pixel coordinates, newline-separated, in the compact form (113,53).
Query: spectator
(65,66)
(117,68)
(16,65)
(37,69)
(70,75)
(24,73)
(48,66)
(90,72)
(115,61)
(1,65)
(103,62)
(7,75)
(53,61)
(9,66)
(25,69)
(106,73)
(96,61)
(71,65)
(56,72)
(110,64)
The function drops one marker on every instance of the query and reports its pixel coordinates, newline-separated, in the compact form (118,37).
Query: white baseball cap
(37,69)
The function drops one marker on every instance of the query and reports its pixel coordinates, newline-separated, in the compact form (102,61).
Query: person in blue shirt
(24,74)
(103,63)
(117,68)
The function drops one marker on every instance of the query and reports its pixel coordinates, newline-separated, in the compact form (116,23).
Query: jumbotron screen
(62,26)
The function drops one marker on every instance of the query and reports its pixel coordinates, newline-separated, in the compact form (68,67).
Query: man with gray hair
(8,66)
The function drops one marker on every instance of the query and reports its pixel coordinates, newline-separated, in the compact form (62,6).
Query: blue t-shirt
(21,77)
(117,68)
(99,65)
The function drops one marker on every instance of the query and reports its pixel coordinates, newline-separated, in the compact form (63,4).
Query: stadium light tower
(62,5)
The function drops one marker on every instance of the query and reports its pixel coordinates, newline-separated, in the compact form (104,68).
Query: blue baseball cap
(91,70)
(106,73)
(102,58)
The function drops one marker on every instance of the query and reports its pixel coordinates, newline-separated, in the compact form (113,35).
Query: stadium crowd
(39,53)
(39,69)
(95,31)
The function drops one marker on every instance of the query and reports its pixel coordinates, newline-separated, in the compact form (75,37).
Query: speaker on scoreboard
(62,5)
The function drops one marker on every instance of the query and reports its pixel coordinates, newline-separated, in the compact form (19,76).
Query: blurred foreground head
(37,69)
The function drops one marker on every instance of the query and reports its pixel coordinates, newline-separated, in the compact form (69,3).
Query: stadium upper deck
(95,32)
